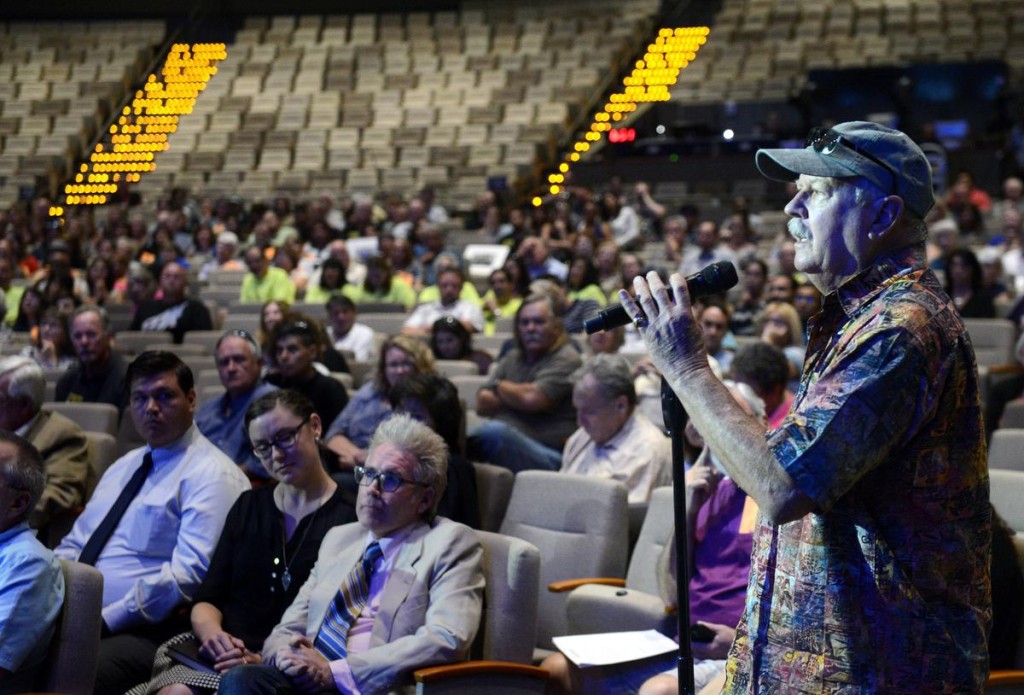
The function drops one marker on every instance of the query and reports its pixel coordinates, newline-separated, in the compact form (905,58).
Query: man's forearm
(738,441)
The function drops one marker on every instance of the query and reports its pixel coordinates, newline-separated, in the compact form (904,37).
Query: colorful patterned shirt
(884,587)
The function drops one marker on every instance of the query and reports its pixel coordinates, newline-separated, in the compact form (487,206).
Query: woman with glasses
(265,553)
(349,434)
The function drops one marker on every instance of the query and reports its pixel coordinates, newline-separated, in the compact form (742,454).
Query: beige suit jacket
(69,477)
(429,610)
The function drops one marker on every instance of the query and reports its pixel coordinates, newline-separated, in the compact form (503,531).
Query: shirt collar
(13,531)
(390,545)
(617,439)
(173,450)
(870,282)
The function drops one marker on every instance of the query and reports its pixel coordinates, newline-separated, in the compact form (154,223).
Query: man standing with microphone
(871,555)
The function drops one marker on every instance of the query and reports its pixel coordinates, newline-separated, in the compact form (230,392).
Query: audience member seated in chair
(31,583)
(99,375)
(466,311)
(349,434)
(398,590)
(174,311)
(239,363)
(615,440)
(266,551)
(153,521)
(59,440)
(529,398)
(298,344)
(719,524)
(434,401)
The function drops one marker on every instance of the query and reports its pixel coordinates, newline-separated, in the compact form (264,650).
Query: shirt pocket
(153,530)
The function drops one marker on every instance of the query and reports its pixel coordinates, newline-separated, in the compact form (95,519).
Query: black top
(194,316)
(107,385)
(327,393)
(460,502)
(244,579)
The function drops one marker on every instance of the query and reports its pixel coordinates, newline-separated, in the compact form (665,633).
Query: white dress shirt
(359,340)
(464,310)
(160,551)
(639,455)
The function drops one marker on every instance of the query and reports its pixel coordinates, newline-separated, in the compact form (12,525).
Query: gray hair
(94,309)
(612,374)
(423,444)
(254,345)
(26,379)
(25,470)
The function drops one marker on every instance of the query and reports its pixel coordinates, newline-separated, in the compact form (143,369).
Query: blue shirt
(222,421)
(358,421)
(31,596)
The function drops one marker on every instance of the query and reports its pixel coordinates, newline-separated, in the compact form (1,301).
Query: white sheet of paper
(614,647)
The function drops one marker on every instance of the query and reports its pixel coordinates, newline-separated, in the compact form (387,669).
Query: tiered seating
(762,49)
(366,102)
(58,84)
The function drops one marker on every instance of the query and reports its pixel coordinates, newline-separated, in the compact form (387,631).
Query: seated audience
(614,439)
(99,374)
(272,314)
(349,434)
(381,286)
(345,333)
(719,526)
(29,311)
(468,313)
(153,521)
(501,299)
(52,348)
(449,340)
(707,249)
(272,533)
(239,365)
(780,326)
(583,282)
(298,345)
(411,583)
(713,317)
(330,282)
(607,341)
(528,400)
(748,307)
(225,256)
(263,283)
(964,286)
(174,311)
(31,580)
(58,439)
(764,368)
(434,401)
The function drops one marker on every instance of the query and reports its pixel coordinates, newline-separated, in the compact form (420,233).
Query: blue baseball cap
(885,157)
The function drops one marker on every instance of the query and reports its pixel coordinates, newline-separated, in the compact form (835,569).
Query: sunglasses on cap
(826,141)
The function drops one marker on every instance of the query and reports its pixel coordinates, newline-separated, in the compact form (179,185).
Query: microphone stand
(675,418)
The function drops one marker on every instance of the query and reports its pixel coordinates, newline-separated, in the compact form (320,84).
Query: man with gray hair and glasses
(615,440)
(59,440)
(870,569)
(31,581)
(398,590)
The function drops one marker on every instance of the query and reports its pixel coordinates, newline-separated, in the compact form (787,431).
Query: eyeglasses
(825,141)
(389,482)
(285,439)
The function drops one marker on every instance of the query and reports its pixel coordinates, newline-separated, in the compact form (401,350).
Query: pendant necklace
(286,575)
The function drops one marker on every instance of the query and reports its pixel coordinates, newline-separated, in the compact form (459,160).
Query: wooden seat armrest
(570,584)
(470,668)
(1005,677)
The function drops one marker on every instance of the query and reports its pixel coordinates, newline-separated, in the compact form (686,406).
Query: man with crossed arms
(398,590)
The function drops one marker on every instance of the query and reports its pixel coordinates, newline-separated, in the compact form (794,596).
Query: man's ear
(20,506)
(886,212)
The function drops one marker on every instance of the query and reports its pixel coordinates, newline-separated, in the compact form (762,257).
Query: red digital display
(622,135)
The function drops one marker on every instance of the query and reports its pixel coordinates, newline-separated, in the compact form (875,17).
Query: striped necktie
(348,603)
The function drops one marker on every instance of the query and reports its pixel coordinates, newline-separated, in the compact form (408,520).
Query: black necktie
(93,548)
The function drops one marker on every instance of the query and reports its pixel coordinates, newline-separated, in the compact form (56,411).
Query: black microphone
(714,279)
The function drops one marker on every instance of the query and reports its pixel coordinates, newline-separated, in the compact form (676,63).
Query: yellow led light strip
(650,80)
(142,129)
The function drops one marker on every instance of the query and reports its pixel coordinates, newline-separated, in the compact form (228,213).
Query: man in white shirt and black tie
(153,521)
